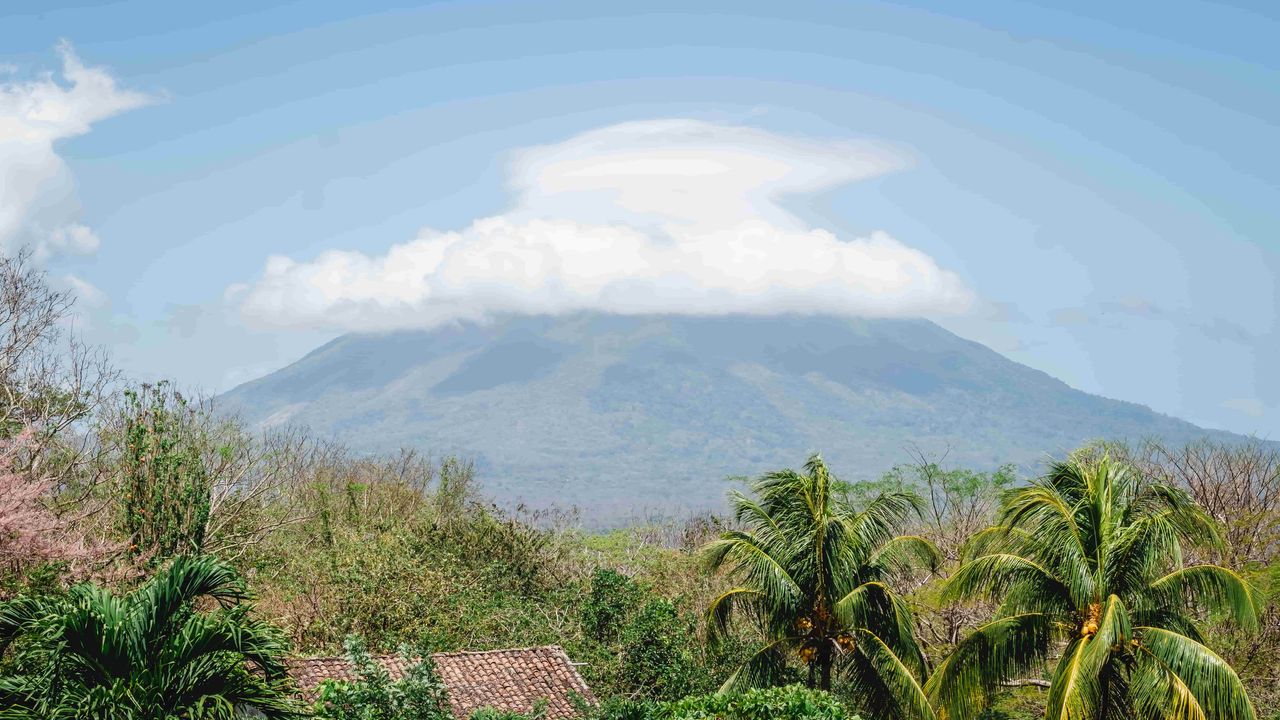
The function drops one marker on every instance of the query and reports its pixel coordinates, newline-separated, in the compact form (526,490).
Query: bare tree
(958,503)
(253,491)
(50,381)
(1237,483)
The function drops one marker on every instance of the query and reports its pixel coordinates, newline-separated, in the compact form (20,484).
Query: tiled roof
(309,672)
(512,680)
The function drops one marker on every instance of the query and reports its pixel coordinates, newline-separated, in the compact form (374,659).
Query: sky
(1087,188)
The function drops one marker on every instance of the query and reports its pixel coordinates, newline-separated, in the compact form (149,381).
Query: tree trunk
(824,659)
(813,667)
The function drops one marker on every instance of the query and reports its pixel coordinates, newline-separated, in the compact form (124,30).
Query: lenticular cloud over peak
(686,172)
(670,216)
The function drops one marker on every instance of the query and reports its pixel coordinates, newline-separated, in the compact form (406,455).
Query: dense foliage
(788,702)
(152,654)
(165,481)
(783,703)
(1091,557)
(813,576)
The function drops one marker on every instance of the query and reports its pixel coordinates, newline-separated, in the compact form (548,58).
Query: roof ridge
(500,650)
(436,654)
(344,658)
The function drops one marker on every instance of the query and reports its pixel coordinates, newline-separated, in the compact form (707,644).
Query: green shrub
(613,597)
(792,702)
(657,657)
(418,696)
(539,712)
(181,645)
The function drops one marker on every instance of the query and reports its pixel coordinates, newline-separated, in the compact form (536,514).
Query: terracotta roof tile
(512,680)
(309,672)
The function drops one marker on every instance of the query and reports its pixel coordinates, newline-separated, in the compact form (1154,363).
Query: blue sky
(1088,188)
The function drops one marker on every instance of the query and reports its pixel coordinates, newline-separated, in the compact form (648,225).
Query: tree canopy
(813,575)
(1091,557)
(152,654)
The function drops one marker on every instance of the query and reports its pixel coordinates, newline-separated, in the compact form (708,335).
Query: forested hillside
(628,415)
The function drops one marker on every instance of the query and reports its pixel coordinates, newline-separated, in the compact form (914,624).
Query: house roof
(513,680)
(308,673)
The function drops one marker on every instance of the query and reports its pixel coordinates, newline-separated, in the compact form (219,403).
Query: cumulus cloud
(38,207)
(673,216)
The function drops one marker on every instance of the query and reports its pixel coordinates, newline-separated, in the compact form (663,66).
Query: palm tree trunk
(824,659)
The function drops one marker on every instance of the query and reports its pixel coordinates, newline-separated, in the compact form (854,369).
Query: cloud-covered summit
(666,216)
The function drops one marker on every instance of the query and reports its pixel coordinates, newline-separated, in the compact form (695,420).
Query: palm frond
(746,557)
(1208,587)
(905,553)
(993,653)
(909,698)
(186,579)
(19,615)
(1207,676)
(721,609)
(994,576)
(1194,525)
(763,668)
(878,522)
(1158,692)
(1073,690)
(1141,550)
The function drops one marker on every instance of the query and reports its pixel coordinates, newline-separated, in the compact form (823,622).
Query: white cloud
(672,216)
(38,207)
(71,239)
(85,292)
(685,172)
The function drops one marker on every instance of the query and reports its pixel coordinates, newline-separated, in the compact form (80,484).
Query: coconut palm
(1089,561)
(179,646)
(811,572)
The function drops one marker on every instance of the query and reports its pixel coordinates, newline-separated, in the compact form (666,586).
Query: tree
(30,532)
(812,572)
(612,598)
(49,380)
(190,480)
(167,489)
(657,662)
(958,503)
(1089,559)
(150,655)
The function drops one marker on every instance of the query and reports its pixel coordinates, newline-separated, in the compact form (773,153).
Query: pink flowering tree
(30,532)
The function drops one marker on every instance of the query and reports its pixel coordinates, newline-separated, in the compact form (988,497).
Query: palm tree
(1089,560)
(811,572)
(153,653)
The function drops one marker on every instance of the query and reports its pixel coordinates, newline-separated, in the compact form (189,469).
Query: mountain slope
(625,415)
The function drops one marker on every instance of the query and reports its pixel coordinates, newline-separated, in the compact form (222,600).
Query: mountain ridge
(624,415)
